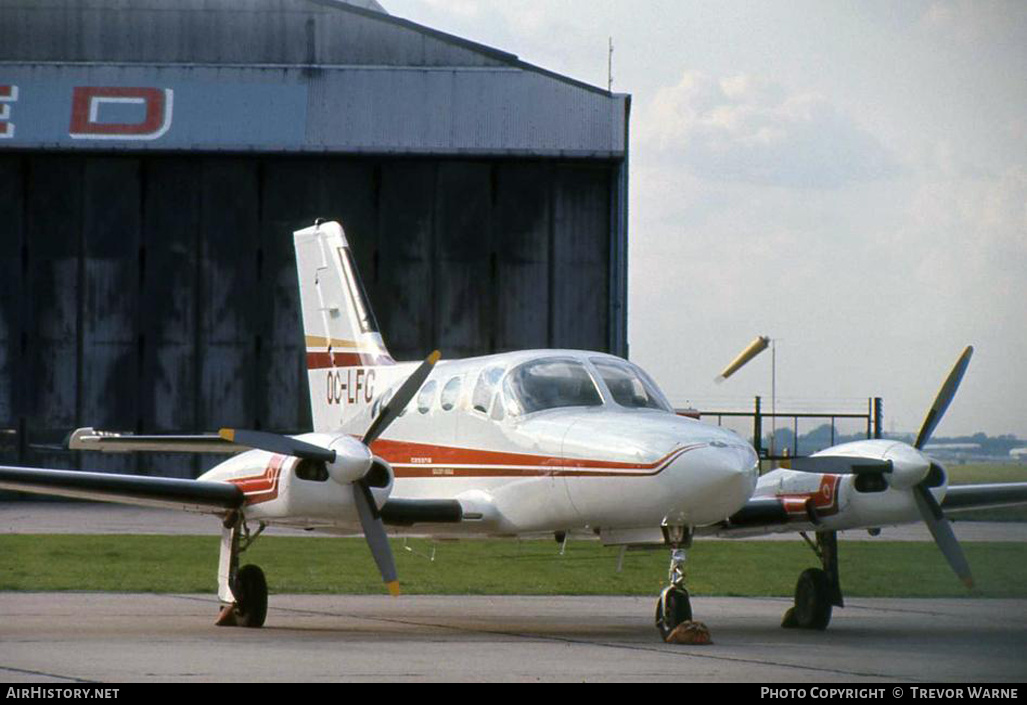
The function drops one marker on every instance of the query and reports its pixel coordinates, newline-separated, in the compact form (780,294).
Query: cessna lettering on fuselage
(350,386)
(528,443)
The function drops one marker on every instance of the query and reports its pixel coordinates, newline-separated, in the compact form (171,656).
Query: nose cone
(715,480)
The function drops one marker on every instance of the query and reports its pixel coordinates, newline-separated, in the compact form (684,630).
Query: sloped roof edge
(492,52)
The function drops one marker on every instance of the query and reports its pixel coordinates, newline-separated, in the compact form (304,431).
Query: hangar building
(155,156)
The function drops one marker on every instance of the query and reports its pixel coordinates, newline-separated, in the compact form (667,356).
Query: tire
(251,597)
(812,600)
(674,607)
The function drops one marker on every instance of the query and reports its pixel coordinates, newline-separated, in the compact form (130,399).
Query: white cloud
(976,21)
(744,128)
(460,8)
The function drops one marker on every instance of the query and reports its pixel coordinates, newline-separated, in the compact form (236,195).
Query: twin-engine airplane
(515,444)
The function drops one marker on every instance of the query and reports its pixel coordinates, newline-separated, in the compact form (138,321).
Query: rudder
(343,342)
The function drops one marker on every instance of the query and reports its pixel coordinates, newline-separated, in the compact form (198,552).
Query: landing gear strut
(818,590)
(674,608)
(243,590)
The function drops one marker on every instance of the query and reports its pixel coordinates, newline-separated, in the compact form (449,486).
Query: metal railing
(872,418)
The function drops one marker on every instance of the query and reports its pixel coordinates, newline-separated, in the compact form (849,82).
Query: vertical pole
(878,417)
(757,429)
(609,68)
(773,394)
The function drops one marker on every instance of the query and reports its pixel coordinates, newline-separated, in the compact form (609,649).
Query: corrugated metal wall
(157,293)
(299,32)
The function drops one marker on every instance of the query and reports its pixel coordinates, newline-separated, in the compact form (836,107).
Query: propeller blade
(399,401)
(840,465)
(274,443)
(374,534)
(942,532)
(944,398)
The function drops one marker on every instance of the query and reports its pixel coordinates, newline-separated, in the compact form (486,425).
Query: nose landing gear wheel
(673,608)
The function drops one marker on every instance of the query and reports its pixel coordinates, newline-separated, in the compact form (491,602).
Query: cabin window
(381,402)
(484,388)
(426,396)
(629,385)
(450,394)
(550,383)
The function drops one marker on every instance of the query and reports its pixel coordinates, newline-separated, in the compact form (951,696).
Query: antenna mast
(609,68)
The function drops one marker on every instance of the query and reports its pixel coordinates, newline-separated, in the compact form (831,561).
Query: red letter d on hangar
(88,103)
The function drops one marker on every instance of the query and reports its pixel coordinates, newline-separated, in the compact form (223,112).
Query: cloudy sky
(849,178)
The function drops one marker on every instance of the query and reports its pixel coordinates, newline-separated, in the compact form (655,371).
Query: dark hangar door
(157,293)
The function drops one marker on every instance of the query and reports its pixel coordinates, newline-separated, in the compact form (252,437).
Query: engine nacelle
(908,465)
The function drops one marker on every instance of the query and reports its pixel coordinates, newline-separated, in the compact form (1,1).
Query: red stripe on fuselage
(426,460)
(329,360)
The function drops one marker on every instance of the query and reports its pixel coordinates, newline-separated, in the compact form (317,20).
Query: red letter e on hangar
(88,104)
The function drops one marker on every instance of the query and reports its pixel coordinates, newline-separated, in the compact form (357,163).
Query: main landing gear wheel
(250,608)
(673,608)
(812,608)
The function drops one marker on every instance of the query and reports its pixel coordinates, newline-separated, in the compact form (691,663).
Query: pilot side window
(498,409)
(450,394)
(629,385)
(481,397)
(550,383)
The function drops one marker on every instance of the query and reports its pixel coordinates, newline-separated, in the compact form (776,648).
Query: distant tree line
(820,438)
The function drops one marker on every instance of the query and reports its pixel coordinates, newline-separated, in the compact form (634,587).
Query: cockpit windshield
(629,385)
(550,383)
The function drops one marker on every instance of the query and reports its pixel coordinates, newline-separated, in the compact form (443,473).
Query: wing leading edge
(991,496)
(771,514)
(170,493)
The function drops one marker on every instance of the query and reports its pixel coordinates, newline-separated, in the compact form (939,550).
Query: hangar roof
(312,75)
(246,32)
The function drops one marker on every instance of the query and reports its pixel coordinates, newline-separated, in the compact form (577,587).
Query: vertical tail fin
(343,342)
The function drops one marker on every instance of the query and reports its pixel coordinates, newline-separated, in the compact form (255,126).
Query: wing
(765,515)
(966,497)
(169,493)
(116,442)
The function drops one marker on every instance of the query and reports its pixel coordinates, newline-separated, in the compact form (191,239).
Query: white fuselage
(568,468)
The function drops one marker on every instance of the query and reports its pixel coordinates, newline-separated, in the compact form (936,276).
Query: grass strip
(188,564)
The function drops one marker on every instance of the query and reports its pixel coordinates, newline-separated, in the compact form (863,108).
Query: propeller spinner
(350,458)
